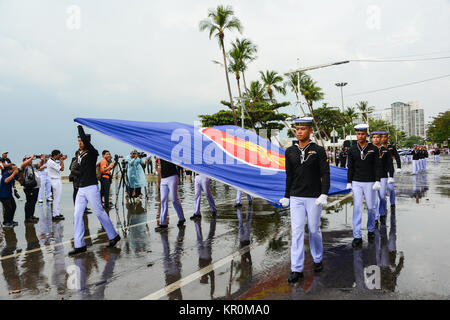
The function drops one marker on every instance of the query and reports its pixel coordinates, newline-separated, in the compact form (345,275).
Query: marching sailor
(202,182)
(425,156)
(436,154)
(307,185)
(393,155)
(384,156)
(238,203)
(88,191)
(169,187)
(363,176)
(415,159)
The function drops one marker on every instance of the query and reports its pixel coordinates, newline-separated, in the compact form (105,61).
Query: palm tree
(272,81)
(248,50)
(236,66)
(312,93)
(293,82)
(256,93)
(220,20)
(365,110)
(350,114)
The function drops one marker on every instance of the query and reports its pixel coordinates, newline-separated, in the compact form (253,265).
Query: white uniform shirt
(53,169)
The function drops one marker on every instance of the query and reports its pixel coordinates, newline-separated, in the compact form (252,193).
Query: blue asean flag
(229,154)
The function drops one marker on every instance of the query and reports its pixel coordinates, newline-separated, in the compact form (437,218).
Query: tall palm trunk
(228,80)
(315,122)
(240,96)
(245,83)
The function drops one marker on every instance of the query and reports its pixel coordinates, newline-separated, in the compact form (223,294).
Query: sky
(147,60)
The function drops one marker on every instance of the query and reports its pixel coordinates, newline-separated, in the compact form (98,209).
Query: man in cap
(436,154)
(384,155)
(307,185)
(5,161)
(363,176)
(202,182)
(88,192)
(54,170)
(393,154)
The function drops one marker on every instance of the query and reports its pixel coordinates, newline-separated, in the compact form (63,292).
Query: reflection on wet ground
(242,253)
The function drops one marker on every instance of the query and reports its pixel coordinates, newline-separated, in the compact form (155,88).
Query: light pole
(341,85)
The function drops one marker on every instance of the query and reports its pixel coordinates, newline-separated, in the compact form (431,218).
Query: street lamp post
(341,85)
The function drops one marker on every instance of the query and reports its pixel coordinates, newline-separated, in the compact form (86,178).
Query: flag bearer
(384,156)
(307,185)
(202,182)
(88,192)
(363,176)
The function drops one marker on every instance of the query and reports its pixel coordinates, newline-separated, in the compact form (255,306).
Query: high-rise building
(385,115)
(408,118)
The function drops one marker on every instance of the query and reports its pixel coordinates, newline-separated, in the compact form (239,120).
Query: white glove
(322,200)
(376,186)
(398,170)
(390,180)
(349,186)
(284,202)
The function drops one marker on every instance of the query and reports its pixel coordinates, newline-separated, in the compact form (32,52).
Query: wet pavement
(241,254)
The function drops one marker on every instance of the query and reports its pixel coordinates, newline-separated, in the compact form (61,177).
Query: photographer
(105,181)
(136,175)
(54,173)
(5,161)
(31,183)
(74,175)
(8,178)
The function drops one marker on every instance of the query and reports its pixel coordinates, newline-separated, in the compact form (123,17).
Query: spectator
(136,175)
(6,163)
(105,181)
(54,173)
(149,165)
(74,175)
(31,183)
(9,176)
(45,180)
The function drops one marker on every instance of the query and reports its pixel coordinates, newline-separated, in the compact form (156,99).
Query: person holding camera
(106,165)
(31,183)
(88,192)
(45,180)
(74,175)
(54,173)
(136,175)
(9,176)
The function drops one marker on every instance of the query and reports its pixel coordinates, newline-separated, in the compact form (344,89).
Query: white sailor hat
(305,121)
(361,127)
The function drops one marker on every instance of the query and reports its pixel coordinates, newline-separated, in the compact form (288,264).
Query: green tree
(312,93)
(439,129)
(219,20)
(248,51)
(293,82)
(412,140)
(272,81)
(365,110)
(256,92)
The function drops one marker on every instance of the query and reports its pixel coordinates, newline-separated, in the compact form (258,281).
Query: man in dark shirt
(6,163)
(415,160)
(88,191)
(384,155)
(343,158)
(7,179)
(363,176)
(393,154)
(169,187)
(436,154)
(307,185)
(424,159)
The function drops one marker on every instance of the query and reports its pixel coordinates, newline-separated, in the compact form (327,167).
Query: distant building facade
(409,118)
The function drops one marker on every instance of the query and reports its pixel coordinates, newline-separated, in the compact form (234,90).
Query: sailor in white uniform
(203,183)
(54,170)
(307,185)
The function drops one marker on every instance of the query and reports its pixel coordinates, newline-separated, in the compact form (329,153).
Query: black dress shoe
(113,242)
(196,216)
(77,251)
(57,218)
(35,218)
(181,222)
(357,242)
(30,220)
(383,220)
(238,205)
(318,266)
(213,213)
(162,227)
(393,206)
(295,276)
(371,236)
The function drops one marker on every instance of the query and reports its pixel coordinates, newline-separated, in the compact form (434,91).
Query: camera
(117,157)
(124,163)
(142,155)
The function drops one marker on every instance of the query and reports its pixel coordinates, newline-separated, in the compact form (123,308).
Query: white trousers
(203,183)
(361,189)
(415,169)
(381,201)
(409,158)
(91,195)
(300,209)
(424,164)
(436,158)
(239,195)
(57,189)
(45,182)
(169,187)
(391,191)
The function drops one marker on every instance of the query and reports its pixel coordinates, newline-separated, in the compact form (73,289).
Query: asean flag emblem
(246,151)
